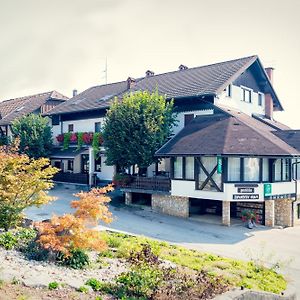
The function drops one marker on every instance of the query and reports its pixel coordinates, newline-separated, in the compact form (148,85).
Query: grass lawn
(236,272)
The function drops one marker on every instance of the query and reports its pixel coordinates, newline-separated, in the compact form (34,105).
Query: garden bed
(135,267)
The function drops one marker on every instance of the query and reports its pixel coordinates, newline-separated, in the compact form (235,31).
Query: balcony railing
(72,177)
(150,183)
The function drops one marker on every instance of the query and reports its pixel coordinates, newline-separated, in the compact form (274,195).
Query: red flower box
(60,138)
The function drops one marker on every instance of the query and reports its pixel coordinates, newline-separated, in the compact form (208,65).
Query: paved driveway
(267,244)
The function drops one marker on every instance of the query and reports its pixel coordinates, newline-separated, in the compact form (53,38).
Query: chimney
(74,92)
(130,82)
(268,97)
(149,73)
(270,73)
(182,67)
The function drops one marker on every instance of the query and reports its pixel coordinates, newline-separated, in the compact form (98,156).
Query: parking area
(236,241)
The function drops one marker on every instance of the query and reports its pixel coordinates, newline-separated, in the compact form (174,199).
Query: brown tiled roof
(14,108)
(191,82)
(273,123)
(204,80)
(227,133)
(96,97)
(292,137)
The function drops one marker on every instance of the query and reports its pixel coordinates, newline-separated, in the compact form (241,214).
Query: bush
(17,239)
(95,284)
(77,259)
(34,251)
(8,240)
(53,285)
(83,289)
(140,281)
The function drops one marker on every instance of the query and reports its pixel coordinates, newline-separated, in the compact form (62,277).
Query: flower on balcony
(60,138)
(81,138)
(73,138)
(87,137)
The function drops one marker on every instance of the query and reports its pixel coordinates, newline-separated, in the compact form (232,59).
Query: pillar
(270,213)
(226,213)
(128,198)
(91,165)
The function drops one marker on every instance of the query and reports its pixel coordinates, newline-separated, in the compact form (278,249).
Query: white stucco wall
(186,188)
(107,172)
(235,101)
(87,125)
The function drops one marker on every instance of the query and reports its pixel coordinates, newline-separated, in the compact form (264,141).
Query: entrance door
(85,163)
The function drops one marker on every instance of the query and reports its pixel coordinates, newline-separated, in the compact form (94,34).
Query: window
(189,168)
(265,170)
(178,170)
(246,95)
(188,118)
(286,170)
(71,128)
(98,164)
(229,90)
(234,169)
(251,169)
(260,99)
(97,126)
(213,182)
(282,170)
(55,120)
(70,165)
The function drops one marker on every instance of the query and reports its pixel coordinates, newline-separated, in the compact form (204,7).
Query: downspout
(296,188)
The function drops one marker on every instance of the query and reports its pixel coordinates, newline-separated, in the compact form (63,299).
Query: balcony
(149,184)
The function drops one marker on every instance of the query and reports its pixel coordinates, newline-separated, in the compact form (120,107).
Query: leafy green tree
(34,134)
(136,127)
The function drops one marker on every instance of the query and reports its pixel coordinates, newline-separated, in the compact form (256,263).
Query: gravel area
(13,266)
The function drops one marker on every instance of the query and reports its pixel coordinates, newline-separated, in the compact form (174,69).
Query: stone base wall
(226,213)
(128,198)
(296,220)
(283,212)
(270,213)
(171,205)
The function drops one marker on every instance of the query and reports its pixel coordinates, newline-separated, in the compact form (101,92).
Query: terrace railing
(150,183)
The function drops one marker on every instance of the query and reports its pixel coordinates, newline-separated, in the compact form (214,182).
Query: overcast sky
(62,44)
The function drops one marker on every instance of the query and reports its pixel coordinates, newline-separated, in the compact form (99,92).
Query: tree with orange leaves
(72,231)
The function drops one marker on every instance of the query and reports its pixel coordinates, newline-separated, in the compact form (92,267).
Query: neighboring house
(227,153)
(13,109)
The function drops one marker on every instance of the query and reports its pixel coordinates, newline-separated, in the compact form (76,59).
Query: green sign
(267,189)
(219,165)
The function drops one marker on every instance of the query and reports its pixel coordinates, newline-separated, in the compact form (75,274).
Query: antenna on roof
(105,71)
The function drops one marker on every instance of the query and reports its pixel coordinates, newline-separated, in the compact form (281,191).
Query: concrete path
(269,245)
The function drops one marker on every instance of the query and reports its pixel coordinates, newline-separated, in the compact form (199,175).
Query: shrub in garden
(53,285)
(19,238)
(69,235)
(77,259)
(23,183)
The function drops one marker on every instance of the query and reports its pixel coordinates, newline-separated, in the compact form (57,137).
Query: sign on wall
(219,165)
(245,192)
(267,189)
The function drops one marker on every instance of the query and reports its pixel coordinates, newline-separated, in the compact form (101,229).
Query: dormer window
(229,90)
(246,95)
